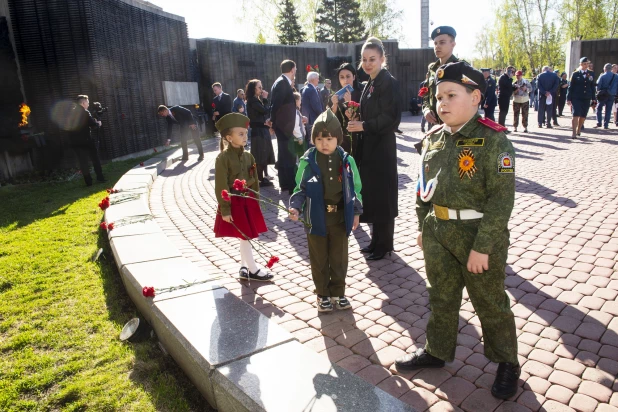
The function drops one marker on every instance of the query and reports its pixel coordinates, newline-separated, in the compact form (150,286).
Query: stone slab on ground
(308,382)
(142,248)
(219,327)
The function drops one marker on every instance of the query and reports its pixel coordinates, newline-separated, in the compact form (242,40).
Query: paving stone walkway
(561,278)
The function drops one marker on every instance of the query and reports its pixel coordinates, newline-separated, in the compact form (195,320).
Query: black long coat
(381,113)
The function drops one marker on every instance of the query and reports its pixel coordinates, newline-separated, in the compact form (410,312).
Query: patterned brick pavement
(561,278)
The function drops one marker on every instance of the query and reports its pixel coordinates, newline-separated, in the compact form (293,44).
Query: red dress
(232,164)
(247,217)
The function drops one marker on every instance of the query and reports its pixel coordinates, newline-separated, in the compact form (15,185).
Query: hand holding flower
(227,218)
(293,214)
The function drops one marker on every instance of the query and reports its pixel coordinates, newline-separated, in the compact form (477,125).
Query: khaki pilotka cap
(232,120)
(327,124)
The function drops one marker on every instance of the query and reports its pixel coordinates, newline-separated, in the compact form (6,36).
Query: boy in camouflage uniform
(466,192)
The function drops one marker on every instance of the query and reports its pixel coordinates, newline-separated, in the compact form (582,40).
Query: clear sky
(466,17)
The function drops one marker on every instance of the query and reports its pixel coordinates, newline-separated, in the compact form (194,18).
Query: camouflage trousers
(446,246)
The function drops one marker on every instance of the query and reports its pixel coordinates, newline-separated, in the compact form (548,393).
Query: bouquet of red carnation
(353,107)
(423,91)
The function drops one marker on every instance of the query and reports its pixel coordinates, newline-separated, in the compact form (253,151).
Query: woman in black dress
(380,115)
(261,142)
(347,76)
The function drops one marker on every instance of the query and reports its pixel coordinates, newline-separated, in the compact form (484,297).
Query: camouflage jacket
(476,167)
(429,100)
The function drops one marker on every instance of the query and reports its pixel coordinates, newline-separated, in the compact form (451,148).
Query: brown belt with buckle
(331,208)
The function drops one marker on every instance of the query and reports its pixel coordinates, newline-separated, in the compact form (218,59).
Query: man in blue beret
(443,44)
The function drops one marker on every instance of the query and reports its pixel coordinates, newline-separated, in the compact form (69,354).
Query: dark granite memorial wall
(116,53)
(234,63)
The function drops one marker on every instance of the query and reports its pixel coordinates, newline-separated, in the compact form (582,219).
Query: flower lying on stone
(110,226)
(112,191)
(103,225)
(141,164)
(148,291)
(104,204)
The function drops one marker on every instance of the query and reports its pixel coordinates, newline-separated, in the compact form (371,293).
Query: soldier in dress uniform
(463,226)
(491,101)
(443,44)
(579,94)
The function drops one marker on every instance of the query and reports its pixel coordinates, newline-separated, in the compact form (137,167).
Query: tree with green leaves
(381,18)
(339,21)
(289,29)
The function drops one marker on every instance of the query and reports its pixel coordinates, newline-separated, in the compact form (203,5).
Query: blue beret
(584,60)
(443,30)
(485,70)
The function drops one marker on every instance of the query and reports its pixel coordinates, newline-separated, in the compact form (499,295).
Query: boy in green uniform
(328,192)
(466,192)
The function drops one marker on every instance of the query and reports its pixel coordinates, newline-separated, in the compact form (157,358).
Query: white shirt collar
(289,80)
(447,128)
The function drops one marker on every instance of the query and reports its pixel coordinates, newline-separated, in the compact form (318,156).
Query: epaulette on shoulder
(491,124)
(434,129)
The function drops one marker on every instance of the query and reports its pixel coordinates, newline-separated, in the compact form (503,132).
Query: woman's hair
(349,67)
(374,43)
(223,142)
(250,88)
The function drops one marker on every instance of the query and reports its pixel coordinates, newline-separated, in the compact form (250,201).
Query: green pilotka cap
(327,124)
(232,120)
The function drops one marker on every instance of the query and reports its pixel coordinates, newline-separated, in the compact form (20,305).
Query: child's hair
(296,96)
(327,124)
(223,142)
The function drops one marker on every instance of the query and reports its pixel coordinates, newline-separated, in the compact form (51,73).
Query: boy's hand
(419,240)
(227,218)
(293,214)
(356,222)
(477,262)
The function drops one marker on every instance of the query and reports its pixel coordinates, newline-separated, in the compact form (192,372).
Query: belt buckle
(331,208)
(441,212)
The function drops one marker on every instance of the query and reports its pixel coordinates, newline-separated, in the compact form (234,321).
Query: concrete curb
(238,358)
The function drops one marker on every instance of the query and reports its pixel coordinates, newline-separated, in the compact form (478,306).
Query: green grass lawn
(61,314)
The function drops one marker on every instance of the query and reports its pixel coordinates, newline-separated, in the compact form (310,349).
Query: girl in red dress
(239,217)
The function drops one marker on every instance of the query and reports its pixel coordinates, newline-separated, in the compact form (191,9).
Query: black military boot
(418,360)
(505,384)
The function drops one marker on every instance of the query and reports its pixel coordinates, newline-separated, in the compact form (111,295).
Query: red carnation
(272,261)
(308,67)
(239,185)
(110,190)
(148,291)
(104,205)
(213,105)
(106,199)
(103,225)
(155,150)
(225,195)
(316,67)
(423,91)
(110,226)
(141,163)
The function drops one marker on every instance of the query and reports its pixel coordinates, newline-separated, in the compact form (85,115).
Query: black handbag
(603,95)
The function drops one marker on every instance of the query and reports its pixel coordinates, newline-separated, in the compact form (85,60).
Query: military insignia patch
(436,145)
(466,80)
(467,165)
(505,163)
(438,31)
(474,142)
(440,73)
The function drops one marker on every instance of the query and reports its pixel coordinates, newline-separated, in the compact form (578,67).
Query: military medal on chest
(467,165)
